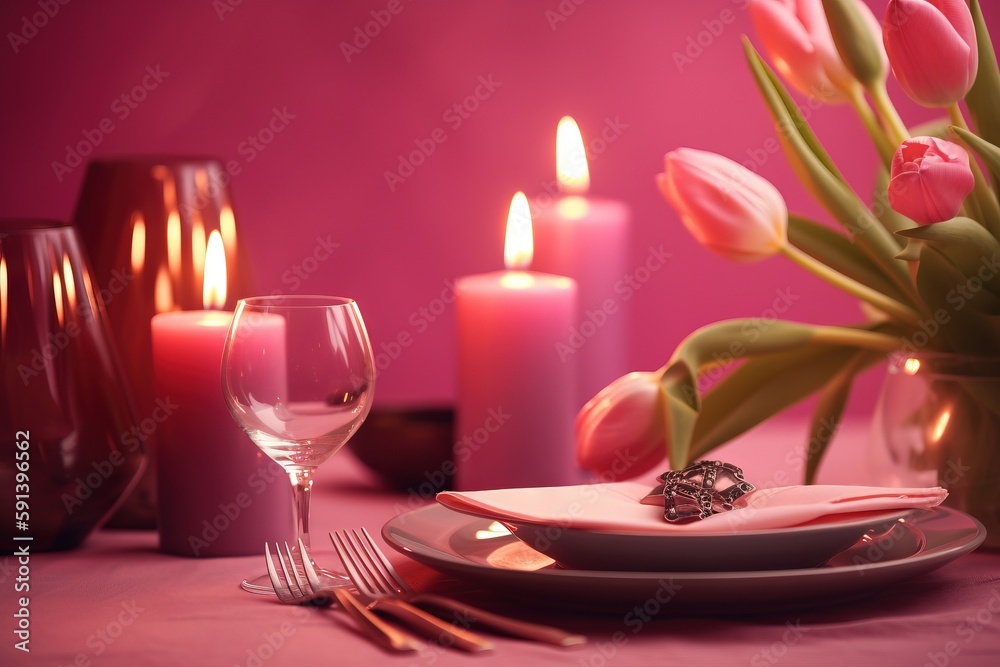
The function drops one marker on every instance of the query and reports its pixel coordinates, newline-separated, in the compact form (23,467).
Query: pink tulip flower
(728,208)
(620,432)
(930,178)
(932,49)
(797,37)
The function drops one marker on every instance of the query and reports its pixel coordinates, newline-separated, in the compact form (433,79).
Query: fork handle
(504,624)
(375,626)
(432,627)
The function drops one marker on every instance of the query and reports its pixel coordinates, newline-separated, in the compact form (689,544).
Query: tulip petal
(934,60)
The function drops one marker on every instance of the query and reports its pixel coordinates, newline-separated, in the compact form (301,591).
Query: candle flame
(214,291)
(69,282)
(138,242)
(518,244)
(911,366)
(571,158)
(163,293)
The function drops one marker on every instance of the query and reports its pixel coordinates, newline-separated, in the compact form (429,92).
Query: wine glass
(297,375)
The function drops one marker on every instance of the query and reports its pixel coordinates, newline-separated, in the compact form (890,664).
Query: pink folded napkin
(616,506)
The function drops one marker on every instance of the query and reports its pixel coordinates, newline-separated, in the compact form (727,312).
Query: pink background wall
(323,175)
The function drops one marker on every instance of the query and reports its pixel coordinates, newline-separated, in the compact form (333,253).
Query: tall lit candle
(218,494)
(586,239)
(515,394)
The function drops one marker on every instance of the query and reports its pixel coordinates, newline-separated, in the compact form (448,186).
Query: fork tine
(307,567)
(296,588)
(370,564)
(400,583)
(280,589)
(355,572)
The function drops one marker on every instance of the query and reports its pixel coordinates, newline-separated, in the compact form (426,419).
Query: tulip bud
(929,179)
(728,208)
(620,433)
(932,49)
(797,38)
(857,36)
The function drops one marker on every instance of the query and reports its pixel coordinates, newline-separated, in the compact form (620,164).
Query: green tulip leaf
(761,388)
(983,99)
(830,408)
(966,244)
(728,342)
(812,166)
(836,251)
(964,315)
(987,151)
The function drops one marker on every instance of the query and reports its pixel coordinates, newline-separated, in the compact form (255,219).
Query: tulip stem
(870,121)
(888,305)
(894,126)
(983,197)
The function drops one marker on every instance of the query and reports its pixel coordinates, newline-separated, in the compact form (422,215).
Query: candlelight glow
(69,282)
(214,291)
(3,297)
(57,295)
(138,243)
(198,246)
(163,295)
(227,225)
(940,424)
(911,366)
(518,245)
(571,158)
(174,244)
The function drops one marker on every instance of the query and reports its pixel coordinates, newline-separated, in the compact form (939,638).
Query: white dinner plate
(484,552)
(775,549)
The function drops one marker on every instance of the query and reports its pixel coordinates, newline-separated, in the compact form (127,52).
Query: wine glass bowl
(298,377)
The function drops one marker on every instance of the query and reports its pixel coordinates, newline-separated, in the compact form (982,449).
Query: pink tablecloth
(117,601)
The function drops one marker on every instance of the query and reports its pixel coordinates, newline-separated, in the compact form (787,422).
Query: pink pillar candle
(587,239)
(218,494)
(515,394)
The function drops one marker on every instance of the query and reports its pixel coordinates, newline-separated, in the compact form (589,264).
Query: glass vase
(938,422)
(70,452)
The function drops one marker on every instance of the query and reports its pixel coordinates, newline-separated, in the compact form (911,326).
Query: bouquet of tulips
(923,253)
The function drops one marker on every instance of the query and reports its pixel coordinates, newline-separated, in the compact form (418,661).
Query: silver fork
(369,569)
(293,590)
(376,599)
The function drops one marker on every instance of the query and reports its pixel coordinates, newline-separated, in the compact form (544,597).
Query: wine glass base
(261,585)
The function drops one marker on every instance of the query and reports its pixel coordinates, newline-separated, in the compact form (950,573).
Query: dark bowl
(409,448)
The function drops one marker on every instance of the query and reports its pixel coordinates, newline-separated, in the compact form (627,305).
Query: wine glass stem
(301,491)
